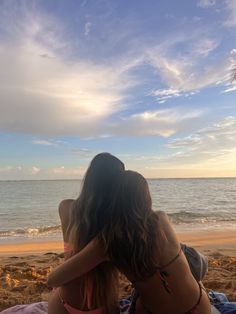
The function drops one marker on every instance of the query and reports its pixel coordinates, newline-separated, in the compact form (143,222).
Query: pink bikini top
(88,288)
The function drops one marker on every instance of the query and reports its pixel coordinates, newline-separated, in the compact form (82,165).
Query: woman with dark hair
(143,246)
(82,219)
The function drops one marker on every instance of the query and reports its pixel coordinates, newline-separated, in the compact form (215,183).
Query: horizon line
(79,179)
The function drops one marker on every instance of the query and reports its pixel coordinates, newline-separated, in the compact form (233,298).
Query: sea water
(29,209)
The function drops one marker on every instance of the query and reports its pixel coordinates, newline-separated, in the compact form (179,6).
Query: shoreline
(24,267)
(221,241)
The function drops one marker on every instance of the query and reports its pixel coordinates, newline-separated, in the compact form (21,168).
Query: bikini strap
(170,262)
(194,308)
(164,274)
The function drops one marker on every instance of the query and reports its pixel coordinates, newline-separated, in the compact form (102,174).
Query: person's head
(131,237)
(91,211)
(92,207)
(100,180)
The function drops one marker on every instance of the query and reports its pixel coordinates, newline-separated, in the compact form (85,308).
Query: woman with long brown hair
(82,219)
(144,246)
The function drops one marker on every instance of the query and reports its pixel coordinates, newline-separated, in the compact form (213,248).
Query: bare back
(172,289)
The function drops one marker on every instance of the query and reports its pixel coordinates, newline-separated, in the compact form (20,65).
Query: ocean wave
(190,217)
(34,231)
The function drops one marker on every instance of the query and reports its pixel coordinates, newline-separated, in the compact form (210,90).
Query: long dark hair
(89,215)
(132,237)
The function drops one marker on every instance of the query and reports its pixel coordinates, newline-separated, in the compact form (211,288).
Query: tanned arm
(77,265)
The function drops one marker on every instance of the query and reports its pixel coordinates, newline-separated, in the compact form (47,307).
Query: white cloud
(84,152)
(230,89)
(206,3)
(181,73)
(50,97)
(40,173)
(208,144)
(43,142)
(162,95)
(208,152)
(165,122)
(190,141)
(231,8)
(35,170)
(43,93)
(67,172)
(205,46)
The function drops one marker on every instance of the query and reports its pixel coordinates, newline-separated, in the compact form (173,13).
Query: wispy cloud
(231,8)
(35,170)
(210,151)
(38,173)
(165,122)
(206,3)
(45,93)
(162,95)
(67,172)
(84,152)
(43,142)
(41,86)
(207,144)
(180,74)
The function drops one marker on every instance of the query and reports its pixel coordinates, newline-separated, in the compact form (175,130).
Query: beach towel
(42,308)
(37,308)
(220,301)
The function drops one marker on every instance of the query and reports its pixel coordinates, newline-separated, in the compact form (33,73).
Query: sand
(24,267)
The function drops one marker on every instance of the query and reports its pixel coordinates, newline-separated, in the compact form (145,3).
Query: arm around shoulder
(79,264)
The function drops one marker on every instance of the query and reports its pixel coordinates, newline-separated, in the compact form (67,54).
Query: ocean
(29,209)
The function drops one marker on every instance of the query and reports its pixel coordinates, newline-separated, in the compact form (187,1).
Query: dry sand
(24,267)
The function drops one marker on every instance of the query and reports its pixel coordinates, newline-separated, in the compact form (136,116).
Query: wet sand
(24,267)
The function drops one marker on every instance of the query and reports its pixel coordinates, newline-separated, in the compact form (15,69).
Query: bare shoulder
(65,207)
(168,230)
(65,211)
(162,215)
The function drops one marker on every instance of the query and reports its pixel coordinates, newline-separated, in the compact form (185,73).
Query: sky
(148,81)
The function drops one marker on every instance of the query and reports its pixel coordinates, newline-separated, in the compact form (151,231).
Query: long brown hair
(89,215)
(132,237)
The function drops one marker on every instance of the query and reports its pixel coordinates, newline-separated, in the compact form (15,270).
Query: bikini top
(88,286)
(163,273)
(163,276)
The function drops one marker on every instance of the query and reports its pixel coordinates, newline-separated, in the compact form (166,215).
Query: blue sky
(149,81)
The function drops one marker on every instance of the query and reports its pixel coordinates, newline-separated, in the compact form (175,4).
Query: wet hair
(89,216)
(132,237)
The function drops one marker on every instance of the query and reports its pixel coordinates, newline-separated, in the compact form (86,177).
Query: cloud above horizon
(150,83)
(45,93)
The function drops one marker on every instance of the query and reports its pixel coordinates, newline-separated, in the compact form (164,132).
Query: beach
(24,266)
